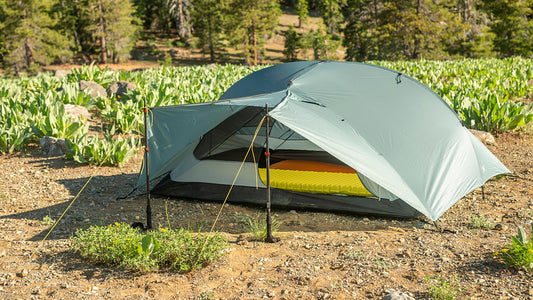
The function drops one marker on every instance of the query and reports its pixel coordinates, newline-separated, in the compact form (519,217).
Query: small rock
(397,296)
(93,88)
(23,273)
(76,111)
(119,88)
(241,240)
(61,73)
(64,285)
(36,291)
(51,146)
(500,227)
(485,137)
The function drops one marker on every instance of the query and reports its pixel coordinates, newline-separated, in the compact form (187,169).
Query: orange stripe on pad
(315,166)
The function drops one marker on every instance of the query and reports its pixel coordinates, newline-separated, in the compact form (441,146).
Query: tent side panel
(285,199)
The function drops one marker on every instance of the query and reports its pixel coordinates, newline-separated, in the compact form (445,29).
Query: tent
(344,136)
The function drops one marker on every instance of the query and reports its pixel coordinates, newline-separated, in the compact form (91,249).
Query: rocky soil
(320,255)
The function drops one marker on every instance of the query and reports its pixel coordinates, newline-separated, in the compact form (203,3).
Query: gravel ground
(320,255)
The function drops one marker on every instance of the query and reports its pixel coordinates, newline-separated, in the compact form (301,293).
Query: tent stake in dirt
(148,208)
(269,237)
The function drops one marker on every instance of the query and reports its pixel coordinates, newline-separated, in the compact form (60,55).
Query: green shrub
(519,254)
(120,245)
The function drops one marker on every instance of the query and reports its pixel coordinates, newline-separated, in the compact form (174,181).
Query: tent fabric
(403,139)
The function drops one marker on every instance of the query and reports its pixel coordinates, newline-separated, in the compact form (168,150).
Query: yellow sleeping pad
(315,177)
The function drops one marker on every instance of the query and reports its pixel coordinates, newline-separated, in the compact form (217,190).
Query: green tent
(344,136)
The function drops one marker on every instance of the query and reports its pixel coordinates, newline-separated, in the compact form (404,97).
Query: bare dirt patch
(320,255)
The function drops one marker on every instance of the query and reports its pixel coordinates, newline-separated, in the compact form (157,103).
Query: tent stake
(148,208)
(269,237)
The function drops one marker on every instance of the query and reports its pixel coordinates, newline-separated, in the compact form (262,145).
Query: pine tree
(29,38)
(292,44)
(251,21)
(512,24)
(301,11)
(331,11)
(467,33)
(360,33)
(112,24)
(209,18)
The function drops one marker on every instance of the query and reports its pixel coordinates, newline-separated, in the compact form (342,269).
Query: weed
(357,255)
(335,285)
(479,222)
(381,263)
(48,221)
(205,295)
(258,226)
(442,289)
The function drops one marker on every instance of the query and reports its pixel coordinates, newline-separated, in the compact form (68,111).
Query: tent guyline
(344,137)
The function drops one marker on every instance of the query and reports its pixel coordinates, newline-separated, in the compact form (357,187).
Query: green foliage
(53,121)
(331,11)
(166,61)
(395,30)
(250,22)
(123,246)
(324,45)
(512,26)
(210,18)
(257,226)
(107,151)
(519,254)
(302,11)
(442,289)
(30,38)
(108,27)
(292,44)
(92,72)
(479,222)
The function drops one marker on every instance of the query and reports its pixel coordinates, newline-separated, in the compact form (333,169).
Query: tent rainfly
(344,136)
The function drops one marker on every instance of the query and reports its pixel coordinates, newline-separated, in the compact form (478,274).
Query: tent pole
(269,237)
(148,207)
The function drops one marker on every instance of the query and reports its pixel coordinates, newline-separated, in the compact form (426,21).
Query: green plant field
(487,94)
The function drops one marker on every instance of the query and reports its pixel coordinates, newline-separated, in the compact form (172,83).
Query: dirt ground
(320,255)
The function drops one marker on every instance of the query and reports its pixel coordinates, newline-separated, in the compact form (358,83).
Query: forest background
(37,33)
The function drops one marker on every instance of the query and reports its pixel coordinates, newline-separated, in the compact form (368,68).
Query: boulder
(93,88)
(119,88)
(76,111)
(51,146)
(61,73)
(485,137)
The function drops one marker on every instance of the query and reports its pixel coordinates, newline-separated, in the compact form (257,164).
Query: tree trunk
(416,50)
(101,25)
(28,56)
(210,37)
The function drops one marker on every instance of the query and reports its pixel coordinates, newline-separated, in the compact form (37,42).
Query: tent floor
(284,199)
